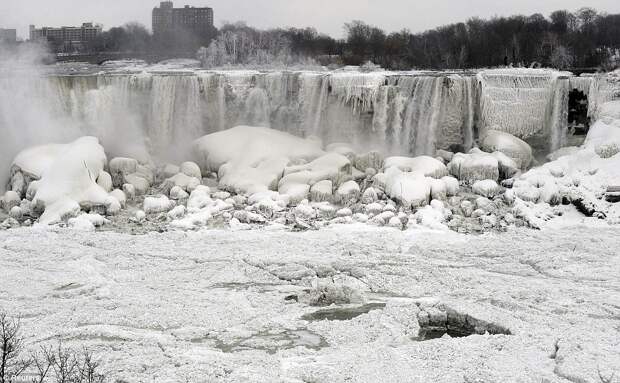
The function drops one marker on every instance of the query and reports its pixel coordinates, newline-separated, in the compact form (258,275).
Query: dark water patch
(444,320)
(342,313)
(273,341)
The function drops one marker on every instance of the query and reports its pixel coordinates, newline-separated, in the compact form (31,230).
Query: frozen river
(244,306)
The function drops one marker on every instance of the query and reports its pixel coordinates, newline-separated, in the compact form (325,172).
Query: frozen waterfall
(157,114)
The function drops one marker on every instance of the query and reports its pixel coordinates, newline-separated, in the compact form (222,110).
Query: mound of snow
(474,167)
(68,174)
(409,189)
(154,205)
(486,188)
(513,147)
(430,167)
(252,159)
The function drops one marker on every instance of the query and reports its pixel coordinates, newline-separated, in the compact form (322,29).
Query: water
(156,115)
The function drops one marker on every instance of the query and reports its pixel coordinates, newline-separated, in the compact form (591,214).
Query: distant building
(182,24)
(67,39)
(8,35)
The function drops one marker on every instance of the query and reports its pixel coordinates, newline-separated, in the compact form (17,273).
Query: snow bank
(475,166)
(252,159)
(511,146)
(68,174)
(426,165)
(409,189)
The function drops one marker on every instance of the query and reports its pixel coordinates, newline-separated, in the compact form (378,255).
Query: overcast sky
(326,15)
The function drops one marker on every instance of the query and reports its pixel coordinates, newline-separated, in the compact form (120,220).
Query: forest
(564,40)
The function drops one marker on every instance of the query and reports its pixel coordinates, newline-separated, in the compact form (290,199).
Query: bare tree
(11,366)
(57,365)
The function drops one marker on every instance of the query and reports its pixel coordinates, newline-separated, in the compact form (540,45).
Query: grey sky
(326,15)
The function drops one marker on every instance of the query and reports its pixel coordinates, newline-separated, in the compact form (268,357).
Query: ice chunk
(69,179)
(121,167)
(474,167)
(191,169)
(486,188)
(252,159)
(511,146)
(410,189)
(348,193)
(322,191)
(428,166)
(105,181)
(161,204)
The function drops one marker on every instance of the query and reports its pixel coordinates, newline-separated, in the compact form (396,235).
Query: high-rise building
(67,39)
(8,35)
(182,22)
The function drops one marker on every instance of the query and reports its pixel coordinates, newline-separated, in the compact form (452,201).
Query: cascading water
(157,114)
(531,104)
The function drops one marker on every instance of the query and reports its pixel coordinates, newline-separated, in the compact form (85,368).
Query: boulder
(486,188)
(348,193)
(513,147)
(120,167)
(371,159)
(322,191)
(191,169)
(474,167)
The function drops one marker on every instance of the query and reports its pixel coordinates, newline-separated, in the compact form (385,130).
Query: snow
(69,178)
(476,166)
(410,189)
(191,169)
(348,193)
(154,205)
(426,165)
(486,188)
(252,159)
(516,149)
(193,306)
(322,191)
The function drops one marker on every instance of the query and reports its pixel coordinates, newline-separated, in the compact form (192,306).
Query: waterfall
(531,104)
(157,114)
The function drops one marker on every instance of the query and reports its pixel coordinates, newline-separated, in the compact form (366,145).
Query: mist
(35,110)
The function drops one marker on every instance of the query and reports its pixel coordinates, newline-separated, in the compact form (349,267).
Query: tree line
(581,39)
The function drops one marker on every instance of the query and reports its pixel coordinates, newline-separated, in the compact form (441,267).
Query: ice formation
(291,148)
(146,112)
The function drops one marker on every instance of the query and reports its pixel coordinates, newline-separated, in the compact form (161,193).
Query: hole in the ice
(436,322)
(242,286)
(273,341)
(342,313)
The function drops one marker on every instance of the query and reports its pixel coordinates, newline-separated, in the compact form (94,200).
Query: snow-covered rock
(16,212)
(322,191)
(243,163)
(348,193)
(112,205)
(129,190)
(121,167)
(177,212)
(178,193)
(154,205)
(369,196)
(428,166)
(409,189)
(140,184)
(69,179)
(513,147)
(191,169)
(10,200)
(486,188)
(371,159)
(105,181)
(452,185)
(474,167)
